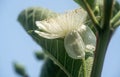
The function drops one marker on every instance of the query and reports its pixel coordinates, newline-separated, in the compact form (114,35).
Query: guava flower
(78,37)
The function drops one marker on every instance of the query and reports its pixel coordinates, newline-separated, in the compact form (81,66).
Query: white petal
(41,26)
(74,45)
(88,37)
(47,26)
(46,35)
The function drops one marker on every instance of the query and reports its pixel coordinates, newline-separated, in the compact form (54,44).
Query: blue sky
(16,45)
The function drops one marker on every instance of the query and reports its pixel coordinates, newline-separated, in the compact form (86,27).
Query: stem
(108,7)
(115,21)
(91,14)
(102,43)
(84,68)
(115,18)
(103,39)
(115,25)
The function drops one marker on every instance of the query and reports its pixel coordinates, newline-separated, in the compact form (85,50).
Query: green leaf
(51,70)
(55,48)
(28,17)
(90,2)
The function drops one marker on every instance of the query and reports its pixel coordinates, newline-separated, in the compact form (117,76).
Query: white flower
(78,37)
(61,25)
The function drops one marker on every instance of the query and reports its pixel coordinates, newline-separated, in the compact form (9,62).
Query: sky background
(17,45)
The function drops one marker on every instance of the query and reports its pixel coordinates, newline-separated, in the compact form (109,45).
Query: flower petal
(46,35)
(41,26)
(74,45)
(88,37)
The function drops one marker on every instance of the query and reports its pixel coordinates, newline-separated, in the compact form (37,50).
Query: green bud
(39,55)
(19,69)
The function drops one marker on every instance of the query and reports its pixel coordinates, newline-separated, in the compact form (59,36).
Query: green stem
(115,18)
(108,7)
(84,68)
(115,22)
(116,25)
(103,39)
(91,14)
(102,43)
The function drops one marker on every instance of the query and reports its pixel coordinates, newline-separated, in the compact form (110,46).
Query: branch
(91,14)
(116,25)
(103,39)
(108,7)
(115,18)
(115,22)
